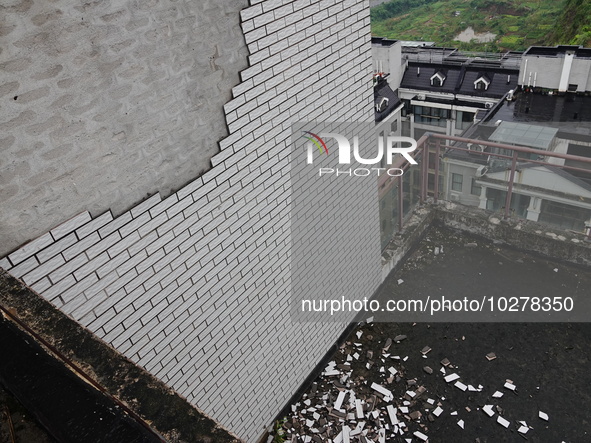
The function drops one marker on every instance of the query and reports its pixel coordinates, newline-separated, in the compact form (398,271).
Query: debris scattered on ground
(503,422)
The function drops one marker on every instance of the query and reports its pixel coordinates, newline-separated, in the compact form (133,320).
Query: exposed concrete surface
(546,362)
(105,102)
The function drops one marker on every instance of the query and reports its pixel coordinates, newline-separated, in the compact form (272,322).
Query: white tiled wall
(196,287)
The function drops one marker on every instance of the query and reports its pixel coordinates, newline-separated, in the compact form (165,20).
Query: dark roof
(382,89)
(570,113)
(382,41)
(555,51)
(460,79)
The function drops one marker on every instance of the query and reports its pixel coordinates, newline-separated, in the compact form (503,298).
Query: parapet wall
(196,287)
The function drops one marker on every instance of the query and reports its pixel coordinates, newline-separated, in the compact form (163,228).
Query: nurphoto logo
(394,145)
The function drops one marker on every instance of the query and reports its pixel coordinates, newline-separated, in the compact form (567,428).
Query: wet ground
(17,424)
(546,364)
(70,410)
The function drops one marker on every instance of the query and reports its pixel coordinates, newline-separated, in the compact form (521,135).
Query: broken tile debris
(366,395)
(503,422)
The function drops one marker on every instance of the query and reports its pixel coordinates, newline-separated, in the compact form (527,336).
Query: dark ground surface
(24,426)
(547,362)
(67,407)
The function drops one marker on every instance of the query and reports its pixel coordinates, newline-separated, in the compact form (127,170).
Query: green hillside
(574,24)
(517,24)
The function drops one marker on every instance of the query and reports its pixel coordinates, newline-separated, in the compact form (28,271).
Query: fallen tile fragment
(420,435)
(503,422)
(339,402)
(488,410)
(445,362)
(381,389)
(491,356)
(428,370)
(346,434)
(510,386)
(387,345)
(523,429)
(497,394)
(461,386)
(392,414)
(543,415)
(451,377)
(399,338)
(359,408)
(461,424)
(437,411)
(400,281)
(425,350)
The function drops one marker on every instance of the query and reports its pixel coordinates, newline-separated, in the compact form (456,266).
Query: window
(431,116)
(475,189)
(464,119)
(457,181)
(481,84)
(394,126)
(437,79)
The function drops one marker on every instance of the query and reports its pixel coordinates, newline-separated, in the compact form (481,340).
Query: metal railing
(432,148)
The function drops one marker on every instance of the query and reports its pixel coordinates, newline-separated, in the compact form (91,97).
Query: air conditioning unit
(421,97)
(481,171)
(488,105)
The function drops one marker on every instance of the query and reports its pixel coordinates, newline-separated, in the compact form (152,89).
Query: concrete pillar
(565,75)
(533,210)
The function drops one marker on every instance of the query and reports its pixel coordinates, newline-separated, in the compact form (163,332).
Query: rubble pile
(366,394)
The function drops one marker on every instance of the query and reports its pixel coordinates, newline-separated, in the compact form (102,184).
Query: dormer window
(382,104)
(481,83)
(437,79)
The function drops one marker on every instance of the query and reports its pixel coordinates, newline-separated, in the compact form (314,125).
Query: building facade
(110,102)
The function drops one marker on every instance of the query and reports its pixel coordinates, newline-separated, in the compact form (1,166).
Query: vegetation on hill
(574,24)
(517,24)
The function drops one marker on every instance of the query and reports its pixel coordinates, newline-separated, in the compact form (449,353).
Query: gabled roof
(382,89)
(460,79)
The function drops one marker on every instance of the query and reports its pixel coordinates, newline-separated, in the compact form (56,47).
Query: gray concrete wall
(105,102)
(196,287)
(548,69)
(391,62)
